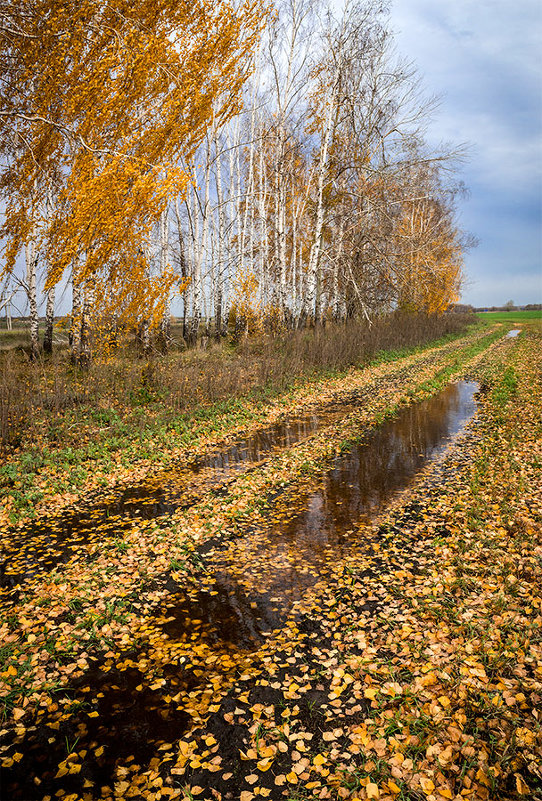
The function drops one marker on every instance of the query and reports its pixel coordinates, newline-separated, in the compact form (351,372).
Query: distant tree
(509,305)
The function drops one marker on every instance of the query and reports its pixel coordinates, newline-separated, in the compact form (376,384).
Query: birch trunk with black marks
(50,306)
(31,256)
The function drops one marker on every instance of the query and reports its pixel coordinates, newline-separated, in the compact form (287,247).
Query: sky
(484,59)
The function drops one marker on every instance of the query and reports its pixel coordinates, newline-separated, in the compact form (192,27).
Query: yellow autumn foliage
(100,105)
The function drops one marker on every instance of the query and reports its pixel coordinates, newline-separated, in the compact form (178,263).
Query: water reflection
(47,542)
(260,577)
(393,454)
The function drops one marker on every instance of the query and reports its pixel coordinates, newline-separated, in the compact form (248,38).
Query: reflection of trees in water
(361,481)
(263,443)
(255,591)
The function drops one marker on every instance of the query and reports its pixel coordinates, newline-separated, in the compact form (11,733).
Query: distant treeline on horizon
(465,307)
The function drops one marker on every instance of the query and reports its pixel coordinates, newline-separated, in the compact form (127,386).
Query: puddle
(260,577)
(256,581)
(115,717)
(48,542)
(513,333)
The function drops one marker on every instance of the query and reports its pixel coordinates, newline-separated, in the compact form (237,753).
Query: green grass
(510,316)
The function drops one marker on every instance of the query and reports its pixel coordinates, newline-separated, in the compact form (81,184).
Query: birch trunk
(31,254)
(314,277)
(75,330)
(195,319)
(281,219)
(221,236)
(84,357)
(182,262)
(264,233)
(144,336)
(200,249)
(50,307)
(49,321)
(31,269)
(165,323)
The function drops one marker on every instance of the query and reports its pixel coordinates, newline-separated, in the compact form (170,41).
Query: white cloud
(483,57)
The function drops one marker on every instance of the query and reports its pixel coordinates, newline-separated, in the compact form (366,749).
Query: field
(321,581)
(510,316)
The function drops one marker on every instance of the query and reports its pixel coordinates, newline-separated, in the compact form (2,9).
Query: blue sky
(484,58)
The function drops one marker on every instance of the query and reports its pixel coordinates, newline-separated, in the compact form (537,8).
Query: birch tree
(115,95)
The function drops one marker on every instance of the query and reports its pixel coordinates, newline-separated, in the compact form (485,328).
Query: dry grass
(53,395)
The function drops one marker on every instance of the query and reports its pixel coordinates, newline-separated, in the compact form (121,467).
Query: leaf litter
(408,667)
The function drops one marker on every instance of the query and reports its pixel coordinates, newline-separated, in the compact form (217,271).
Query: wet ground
(251,587)
(48,542)
(258,578)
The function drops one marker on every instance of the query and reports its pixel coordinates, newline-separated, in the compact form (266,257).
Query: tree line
(253,166)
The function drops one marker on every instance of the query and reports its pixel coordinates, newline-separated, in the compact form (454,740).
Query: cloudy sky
(484,58)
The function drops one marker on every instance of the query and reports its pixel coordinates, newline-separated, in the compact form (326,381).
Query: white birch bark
(222,249)
(314,276)
(183,262)
(75,331)
(49,321)
(164,261)
(31,254)
(50,306)
(31,259)
(201,213)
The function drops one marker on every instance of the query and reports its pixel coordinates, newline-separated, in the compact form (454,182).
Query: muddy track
(41,545)
(144,652)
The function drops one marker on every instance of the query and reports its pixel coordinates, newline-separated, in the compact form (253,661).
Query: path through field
(256,620)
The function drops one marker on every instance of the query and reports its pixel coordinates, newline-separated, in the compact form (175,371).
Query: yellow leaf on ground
(521,786)
(427,785)
(372,790)
(445,756)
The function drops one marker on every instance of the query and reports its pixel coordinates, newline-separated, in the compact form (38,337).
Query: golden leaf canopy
(101,104)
